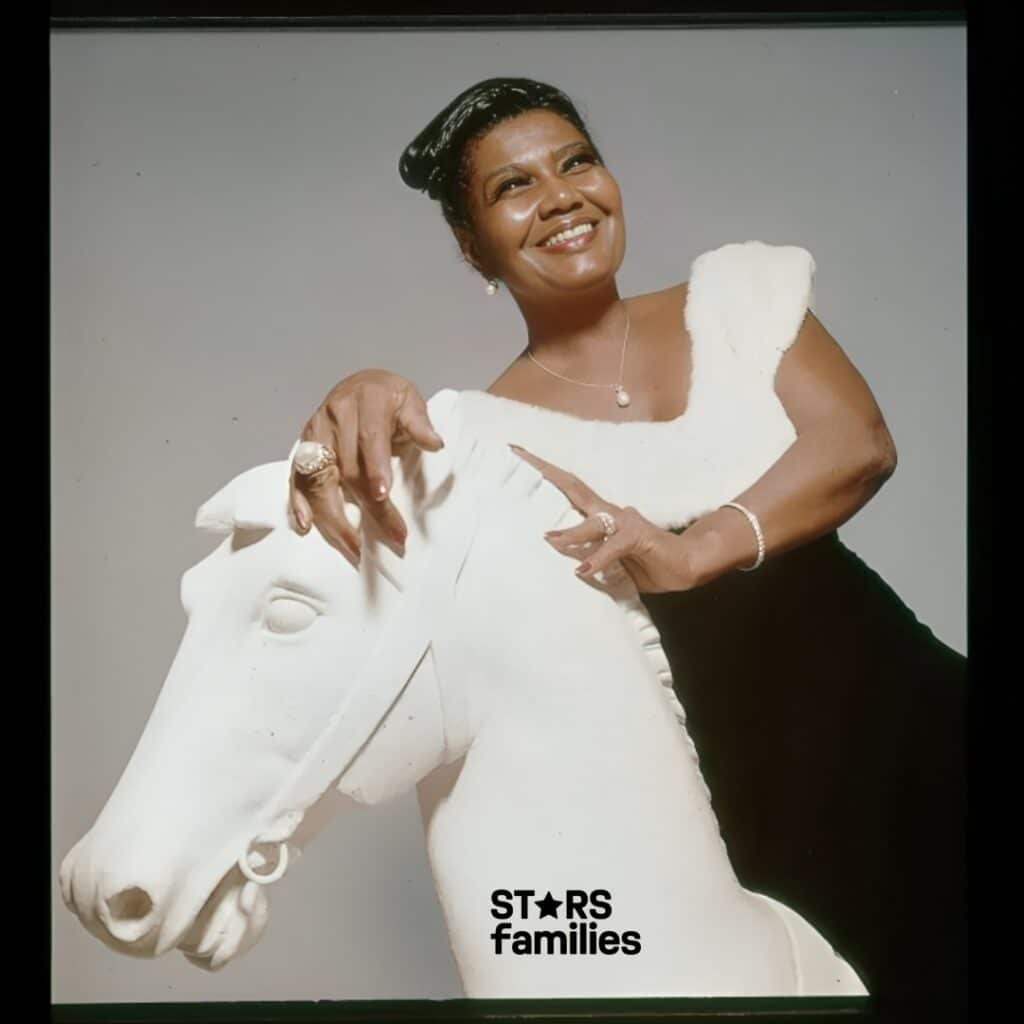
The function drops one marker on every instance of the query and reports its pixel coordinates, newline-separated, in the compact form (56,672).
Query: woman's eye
(586,157)
(287,615)
(504,184)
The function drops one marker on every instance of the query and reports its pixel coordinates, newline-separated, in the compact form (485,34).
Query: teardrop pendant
(622,397)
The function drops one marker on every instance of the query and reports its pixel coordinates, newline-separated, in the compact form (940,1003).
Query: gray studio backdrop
(230,236)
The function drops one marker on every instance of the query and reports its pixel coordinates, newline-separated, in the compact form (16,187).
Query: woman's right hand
(362,418)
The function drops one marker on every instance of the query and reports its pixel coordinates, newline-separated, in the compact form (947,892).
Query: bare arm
(841,457)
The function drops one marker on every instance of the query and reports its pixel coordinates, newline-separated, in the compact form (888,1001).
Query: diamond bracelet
(756,527)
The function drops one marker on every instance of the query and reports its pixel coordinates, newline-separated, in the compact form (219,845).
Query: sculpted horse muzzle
(138,888)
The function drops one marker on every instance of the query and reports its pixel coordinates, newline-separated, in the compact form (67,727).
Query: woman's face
(531,177)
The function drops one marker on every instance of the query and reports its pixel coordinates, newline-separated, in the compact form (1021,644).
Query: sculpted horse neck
(535,713)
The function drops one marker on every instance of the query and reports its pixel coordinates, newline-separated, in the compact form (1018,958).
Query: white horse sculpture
(536,715)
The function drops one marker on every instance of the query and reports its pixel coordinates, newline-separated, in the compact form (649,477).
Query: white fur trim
(758,295)
(745,305)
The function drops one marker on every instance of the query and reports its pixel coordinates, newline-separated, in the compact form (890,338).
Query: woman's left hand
(654,558)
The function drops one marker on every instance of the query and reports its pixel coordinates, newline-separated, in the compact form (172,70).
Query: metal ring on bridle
(311,456)
(282,865)
(607,522)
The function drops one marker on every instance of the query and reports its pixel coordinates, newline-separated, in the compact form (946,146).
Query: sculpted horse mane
(535,714)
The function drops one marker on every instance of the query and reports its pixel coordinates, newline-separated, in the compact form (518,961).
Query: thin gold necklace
(622,398)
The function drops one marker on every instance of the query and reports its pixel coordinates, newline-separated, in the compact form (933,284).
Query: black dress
(829,721)
(830,724)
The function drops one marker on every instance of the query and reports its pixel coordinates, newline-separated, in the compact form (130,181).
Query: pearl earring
(492,286)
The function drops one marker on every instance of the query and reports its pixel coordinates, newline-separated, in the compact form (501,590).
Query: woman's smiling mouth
(573,240)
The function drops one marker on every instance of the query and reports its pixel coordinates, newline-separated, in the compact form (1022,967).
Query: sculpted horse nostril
(131,904)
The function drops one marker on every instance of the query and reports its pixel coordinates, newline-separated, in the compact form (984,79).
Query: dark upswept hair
(437,161)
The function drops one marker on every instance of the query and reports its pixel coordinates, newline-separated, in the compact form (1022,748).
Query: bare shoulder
(660,314)
(812,339)
(662,302)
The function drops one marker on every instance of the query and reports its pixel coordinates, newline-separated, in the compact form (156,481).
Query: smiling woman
(551,155)
(709,427)
(732,422)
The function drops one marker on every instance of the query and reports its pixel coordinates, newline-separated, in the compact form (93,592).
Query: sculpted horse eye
(288,615)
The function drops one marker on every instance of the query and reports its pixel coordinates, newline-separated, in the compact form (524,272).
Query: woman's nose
(559,196)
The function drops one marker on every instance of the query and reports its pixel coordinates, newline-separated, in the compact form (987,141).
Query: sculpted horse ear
(258,498)
(254,500)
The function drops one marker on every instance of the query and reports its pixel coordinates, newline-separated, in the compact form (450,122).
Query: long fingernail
(396,542)
(347,551)
(380,490)
(583,568)
(554,533)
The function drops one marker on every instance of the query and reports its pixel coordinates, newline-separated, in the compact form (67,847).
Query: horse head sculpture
(536,716)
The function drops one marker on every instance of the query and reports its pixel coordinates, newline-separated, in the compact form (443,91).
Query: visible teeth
(562,236)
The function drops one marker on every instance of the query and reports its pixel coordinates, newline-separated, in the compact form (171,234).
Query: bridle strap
(400,646)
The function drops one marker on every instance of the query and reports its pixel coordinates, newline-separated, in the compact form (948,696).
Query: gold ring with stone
(311,456)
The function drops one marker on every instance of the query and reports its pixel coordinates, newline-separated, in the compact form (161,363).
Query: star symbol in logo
(549,906)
